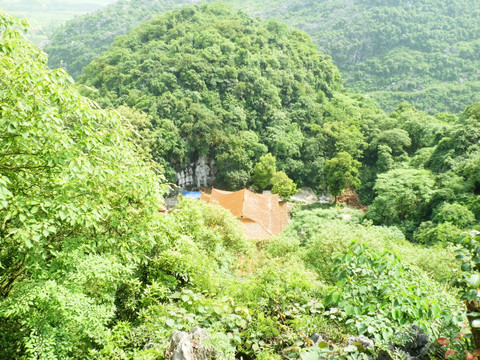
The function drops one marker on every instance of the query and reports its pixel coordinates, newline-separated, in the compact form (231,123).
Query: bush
(379,294)
(286,303)
(456,214)
(315,235)
(429,233)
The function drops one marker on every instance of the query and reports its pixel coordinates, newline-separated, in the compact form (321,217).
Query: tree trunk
(474,306)
(8,280)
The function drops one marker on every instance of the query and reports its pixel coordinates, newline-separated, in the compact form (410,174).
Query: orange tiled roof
(262,215)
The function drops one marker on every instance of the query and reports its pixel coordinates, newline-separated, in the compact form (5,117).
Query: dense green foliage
(216,83)
(75,44)
(77,207)
(231,88)
(91,269)
(263,172)
(381,282)
(341,172)
(314,235)
(379,294)
(424,52)
(265,176)
(283,185)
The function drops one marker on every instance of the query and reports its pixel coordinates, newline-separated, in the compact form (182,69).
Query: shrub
(429,233)
(379,294)
(456,214)
(315,235)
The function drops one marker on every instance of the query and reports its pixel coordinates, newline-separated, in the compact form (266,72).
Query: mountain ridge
(425,52)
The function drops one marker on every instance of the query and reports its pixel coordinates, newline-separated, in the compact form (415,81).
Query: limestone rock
(202,171)
(188,346)
(317,338)
(324,199)
(305,195)
(181,344)
(198,333)
(198,175)
(361,340)
(418,347)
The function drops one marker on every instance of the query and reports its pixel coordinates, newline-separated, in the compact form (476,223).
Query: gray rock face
(361,340)
(305,195)
(418,347)
(198,333)
(197,175)
(202,170)
(188,346)
(182,346)
(317,338)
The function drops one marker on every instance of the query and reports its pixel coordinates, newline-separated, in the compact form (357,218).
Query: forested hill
(46,15)
(75,44)
(91,269)
(206,81)
(424,52)
(223,85)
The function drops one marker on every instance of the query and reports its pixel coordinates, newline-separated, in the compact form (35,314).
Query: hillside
(46,15)
(210,83)
(91,267)
(75,44)
(222,85)
(424,52)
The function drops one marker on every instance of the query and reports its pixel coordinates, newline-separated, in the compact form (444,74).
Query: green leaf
(309,355)
(322,344)
(466,266)
(350,348)
(474,281)
(349,310)
(396,314)
(462,257)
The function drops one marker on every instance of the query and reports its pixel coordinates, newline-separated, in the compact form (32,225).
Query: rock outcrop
(189,346)
(198,175)
(305,195)
(417,347)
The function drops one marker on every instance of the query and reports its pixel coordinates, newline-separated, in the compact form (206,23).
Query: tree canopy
(232,88)
(77,205)
(424,52)
(90,268)
(341,172)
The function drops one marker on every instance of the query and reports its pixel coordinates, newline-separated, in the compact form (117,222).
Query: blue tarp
(192,194)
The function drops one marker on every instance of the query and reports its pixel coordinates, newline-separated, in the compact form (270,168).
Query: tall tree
(341,172)
(283,185)
(263,172)
(78,208)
